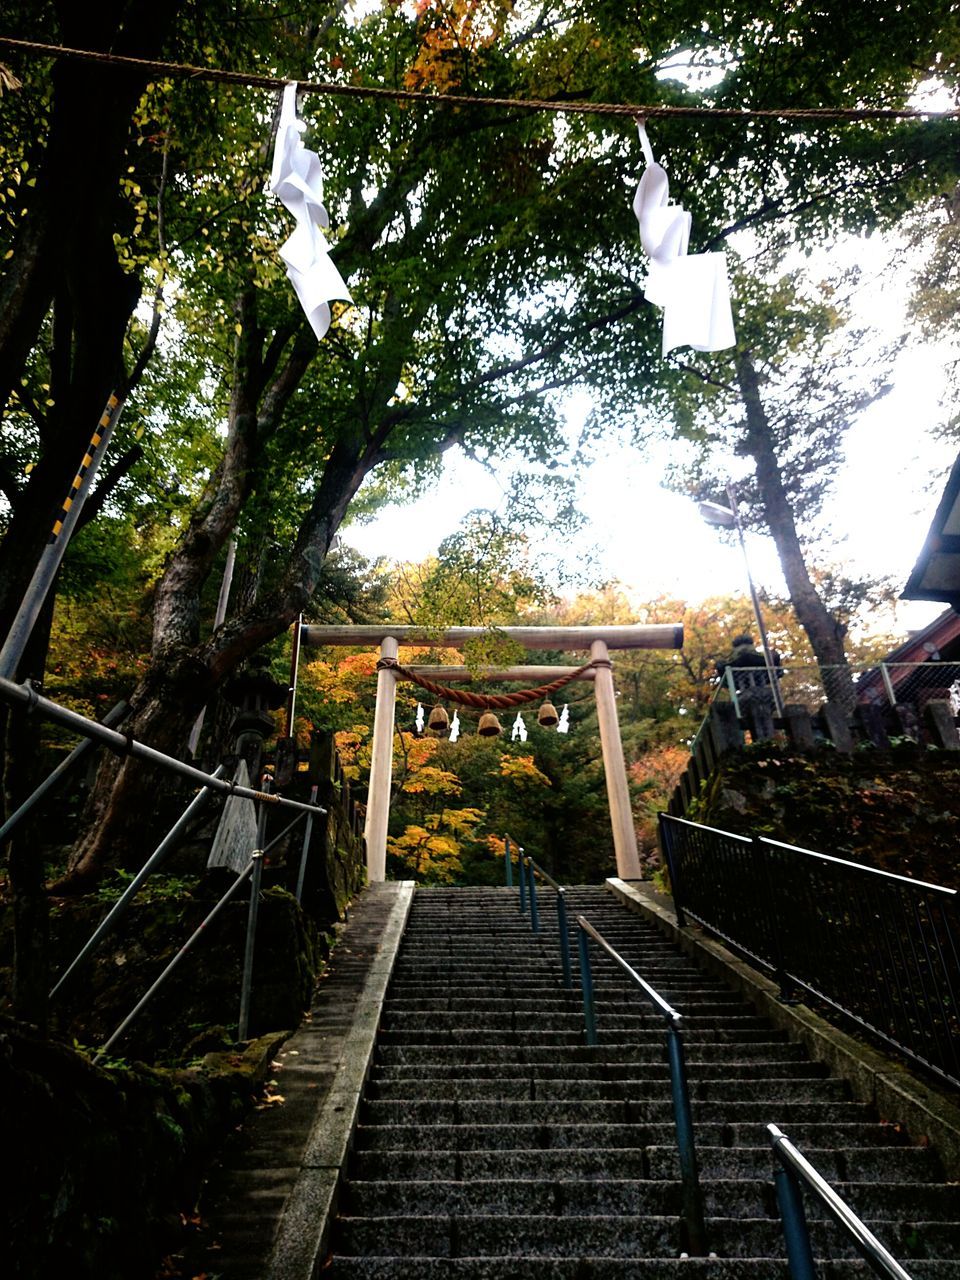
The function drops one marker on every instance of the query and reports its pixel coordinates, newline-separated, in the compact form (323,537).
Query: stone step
(526,996)
(729,1033)
(543,1019)
(725,1198)
(652,1049)
(861,1163)
(531,1136)
(709,1088)
(586,1268)
(634,1111)
(895,1165)
(506,1235)
(513,1073)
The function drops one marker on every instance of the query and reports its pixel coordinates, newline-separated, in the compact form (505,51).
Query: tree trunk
(823,630)
(65,251)
(185,671)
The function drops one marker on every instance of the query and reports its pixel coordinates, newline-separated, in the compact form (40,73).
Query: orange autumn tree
(452,33)
(435,836)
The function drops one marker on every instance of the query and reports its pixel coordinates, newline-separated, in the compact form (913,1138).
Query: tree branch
(153,333)
(278,394)
(704,377)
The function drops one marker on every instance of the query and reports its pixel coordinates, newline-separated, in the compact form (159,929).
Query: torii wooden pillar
(599,640)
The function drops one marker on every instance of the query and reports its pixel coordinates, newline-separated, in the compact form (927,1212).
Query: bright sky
(653,540)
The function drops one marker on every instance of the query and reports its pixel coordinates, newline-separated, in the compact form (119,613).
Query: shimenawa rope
(486,701)
(257,81)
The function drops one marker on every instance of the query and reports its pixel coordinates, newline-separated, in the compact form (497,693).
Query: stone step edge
(302,1237)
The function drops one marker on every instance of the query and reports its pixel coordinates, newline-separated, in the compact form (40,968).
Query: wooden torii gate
(599,640)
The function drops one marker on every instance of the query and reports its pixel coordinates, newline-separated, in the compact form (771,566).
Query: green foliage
(892,810)
(159,888)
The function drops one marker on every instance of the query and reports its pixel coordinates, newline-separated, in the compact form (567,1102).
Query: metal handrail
(794,1173)
(691,1197)
(194,937)
(655,998)
(563,928)
(531,892)
(859,866)
(887,950)
(544,875)
(24,695)
(116,912)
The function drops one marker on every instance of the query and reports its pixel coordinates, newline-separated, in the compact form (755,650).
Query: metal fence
(880,950)
(885,684)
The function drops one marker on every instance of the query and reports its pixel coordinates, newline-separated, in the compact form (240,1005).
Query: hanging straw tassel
(489,726)
(439,721)
(547,716)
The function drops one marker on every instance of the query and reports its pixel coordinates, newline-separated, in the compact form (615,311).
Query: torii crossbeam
(599,640)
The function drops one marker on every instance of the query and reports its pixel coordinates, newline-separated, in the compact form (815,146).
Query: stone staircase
(493,1142)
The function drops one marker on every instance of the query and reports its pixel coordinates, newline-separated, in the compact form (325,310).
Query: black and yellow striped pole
(63,527)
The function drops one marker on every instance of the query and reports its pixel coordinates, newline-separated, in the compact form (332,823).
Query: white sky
(653,541)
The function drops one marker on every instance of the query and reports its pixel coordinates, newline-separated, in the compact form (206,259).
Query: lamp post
(729,518)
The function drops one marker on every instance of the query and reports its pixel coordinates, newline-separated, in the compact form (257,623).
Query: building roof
(939,642)
(936,575)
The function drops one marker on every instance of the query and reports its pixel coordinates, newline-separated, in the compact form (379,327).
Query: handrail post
(796,1234)
(586,985)
(692,1202)
(508,861)
(522,880)
(564,939)
(246,982)
(732,686)
(532,886)
(888,684)
(666,844)
(307,834)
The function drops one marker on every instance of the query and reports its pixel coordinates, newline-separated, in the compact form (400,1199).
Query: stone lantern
(255,693)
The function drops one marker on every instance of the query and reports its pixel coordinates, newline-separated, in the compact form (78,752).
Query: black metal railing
(880,950)
(690,1194)
(792,1175)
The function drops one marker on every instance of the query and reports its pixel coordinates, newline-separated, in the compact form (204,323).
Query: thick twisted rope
(486,701)
(257,81)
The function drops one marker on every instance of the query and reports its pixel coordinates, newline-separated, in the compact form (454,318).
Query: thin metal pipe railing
(23,695)
(158,983)
(563,928)
(119,908)
(532,892)
(691,1196)
(793,1172)
(253,915)
(305,847)
(53,779)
